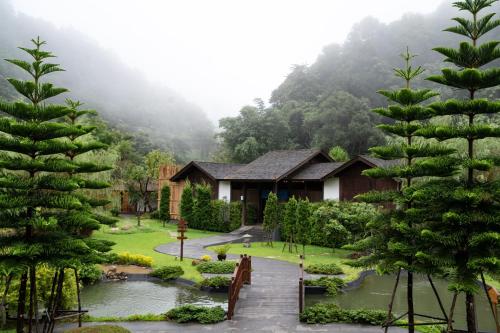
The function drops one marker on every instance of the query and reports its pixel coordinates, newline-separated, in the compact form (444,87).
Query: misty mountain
(121,95)
(364,63)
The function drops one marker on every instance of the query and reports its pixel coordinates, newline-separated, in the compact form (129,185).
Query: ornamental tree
(42,196)
(271,217)
(187,203)
(290,224)
(303,223)
(464,231)
(395,236)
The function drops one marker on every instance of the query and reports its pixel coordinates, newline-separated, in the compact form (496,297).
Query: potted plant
(222,251)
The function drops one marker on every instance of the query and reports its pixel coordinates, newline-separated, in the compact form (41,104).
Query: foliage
(215,282)
(202,214)
(134,317)
(167,272)
(332,284)
(89,274)
(217,267)
(303,224)
(324,313)
(206,257)
(126,258)
(115,212)
(330,269)
(99,329)
(164,209)
(187,203)
(192,313)
(338,154)
(222,249)
(225,216)
(271,216)
(289,226)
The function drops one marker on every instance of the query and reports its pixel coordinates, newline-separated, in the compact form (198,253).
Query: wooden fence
(302,290)
(242,275)
(166,172)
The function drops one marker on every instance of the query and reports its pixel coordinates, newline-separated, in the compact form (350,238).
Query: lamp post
(181,228)
(246,240)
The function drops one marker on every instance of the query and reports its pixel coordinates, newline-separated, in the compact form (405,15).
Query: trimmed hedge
(217,267)
(215,282)
(332,284)
(192,313)
(168,272)
(329,269)
(324,313)
(126,258)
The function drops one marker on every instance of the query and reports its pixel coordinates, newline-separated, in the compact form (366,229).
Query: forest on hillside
(155,116)
(328,103)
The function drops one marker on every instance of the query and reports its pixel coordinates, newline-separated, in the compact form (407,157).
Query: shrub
(206,257)
(234,215)
(222,249)
(155,215)
(217,267)
(187,204)
(202,209)
(329,269)
(168,272)
(115,212)
(324,313)
(332,284)
(215,282)
(99,329)
(192,313)
(164,209)
(126,258)
(89,274)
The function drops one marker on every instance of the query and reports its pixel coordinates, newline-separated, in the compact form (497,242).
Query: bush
(125,258)
(192,313)
(164,210)
(155,215)
(329,269)
(99,329)
(187,204)
(115,212)
(202,209)
(217,267)
(234,215)
(332,285)
(215,282)
(222,249)
(324,313)
(168,272)
(89,274)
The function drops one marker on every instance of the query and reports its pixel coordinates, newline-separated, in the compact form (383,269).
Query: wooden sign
(181,229)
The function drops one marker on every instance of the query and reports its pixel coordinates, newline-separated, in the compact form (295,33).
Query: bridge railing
(242,275)
(301,285)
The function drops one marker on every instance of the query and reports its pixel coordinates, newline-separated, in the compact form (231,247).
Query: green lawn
(314,255)
(143,240)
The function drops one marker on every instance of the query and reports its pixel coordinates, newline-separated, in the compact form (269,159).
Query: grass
(99,329)
(143,240)
(314,255)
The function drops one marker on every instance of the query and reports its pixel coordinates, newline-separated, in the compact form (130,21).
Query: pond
(120,299)
(375,293)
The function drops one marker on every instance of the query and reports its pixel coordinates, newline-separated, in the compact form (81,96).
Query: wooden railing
(301,286)
(242,275)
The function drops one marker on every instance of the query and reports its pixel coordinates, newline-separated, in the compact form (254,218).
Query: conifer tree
(187,203)
(271,217)
(290,224)
(304,227)
(395,235)
(36,181)
(464,232)
(165,204)
(202,207)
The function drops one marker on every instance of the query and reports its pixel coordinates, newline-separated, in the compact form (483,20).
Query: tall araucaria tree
(271,217)
(395,235)
(464,232)
(304,227)
(37,186)
(289,227)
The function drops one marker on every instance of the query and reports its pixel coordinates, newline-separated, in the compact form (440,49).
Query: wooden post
(249,269)
(389,313)
(301,295)
(452,309)
(438,298)
(181,228)
(244,208)
(492,297)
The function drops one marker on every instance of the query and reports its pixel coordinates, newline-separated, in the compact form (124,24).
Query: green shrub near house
(324,313)
(332,284)
(217,267)
(328,269)
(215,282)
(168,272)
(192,313)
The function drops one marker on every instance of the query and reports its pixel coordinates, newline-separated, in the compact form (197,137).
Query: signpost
(181,229)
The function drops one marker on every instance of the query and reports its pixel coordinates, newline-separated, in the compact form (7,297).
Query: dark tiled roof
(380,162)
(316,171)
(275,164)
(219,170)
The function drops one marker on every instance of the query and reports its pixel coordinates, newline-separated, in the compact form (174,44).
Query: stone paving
(269,304)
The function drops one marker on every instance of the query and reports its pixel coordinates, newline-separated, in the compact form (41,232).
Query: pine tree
(187,204)
(37,184)
(464,233)
(303,222)
(165,204)
(395,235)
(202,207)
(271,217)
(290,224)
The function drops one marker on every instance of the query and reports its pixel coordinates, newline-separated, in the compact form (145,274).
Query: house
(304,173)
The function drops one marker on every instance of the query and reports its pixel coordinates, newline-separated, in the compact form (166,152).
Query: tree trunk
(470,309)
(411,310)
(32,301)
(3,305)
(21,303)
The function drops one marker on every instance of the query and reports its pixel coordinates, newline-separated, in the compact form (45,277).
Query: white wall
(224,190)
(331,189)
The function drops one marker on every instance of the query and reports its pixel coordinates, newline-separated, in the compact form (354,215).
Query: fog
(218,54)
